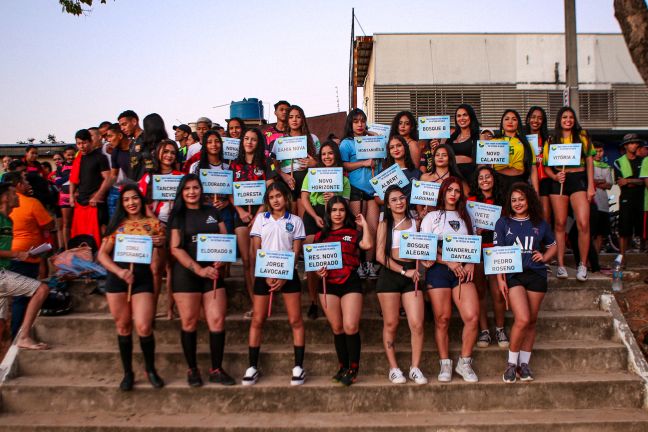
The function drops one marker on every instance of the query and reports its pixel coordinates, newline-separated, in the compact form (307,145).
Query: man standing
(182,133)
(279,129)
(631,205)
(13,284)
(129,123)
(203,124)
(31,225)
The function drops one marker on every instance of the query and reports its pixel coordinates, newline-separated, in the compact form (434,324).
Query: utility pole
(571,55)
(352,89)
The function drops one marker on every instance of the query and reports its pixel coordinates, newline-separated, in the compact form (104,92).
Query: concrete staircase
(581,366)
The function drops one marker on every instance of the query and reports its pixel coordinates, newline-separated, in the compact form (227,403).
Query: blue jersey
(359,178)
(530,238)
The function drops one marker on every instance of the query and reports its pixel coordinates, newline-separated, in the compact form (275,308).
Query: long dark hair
(453,169)
(154,131)
(474,124)
(259,152)
(283,189)
(460,207)
(240,122)
(544,129)
(394,125)
(157,156)
(204,154)
(120,212)
(558,130)
(389,217)
(179,210)
(348,124)
(475,190)
(304,130)
(348,222)
(519,134)
(336,154)
(389,160)
(535,207)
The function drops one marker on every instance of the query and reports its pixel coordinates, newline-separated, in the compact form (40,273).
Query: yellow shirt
(586,151)
(516,155)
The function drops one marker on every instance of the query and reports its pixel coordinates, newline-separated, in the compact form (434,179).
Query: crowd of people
(103,187)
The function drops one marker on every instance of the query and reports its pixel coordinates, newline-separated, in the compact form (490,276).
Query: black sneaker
(127,382)
(312,311)
(525,372)
(155,379)
(193,378)
(219,376)
(510,373)
(338,376)
(349,377)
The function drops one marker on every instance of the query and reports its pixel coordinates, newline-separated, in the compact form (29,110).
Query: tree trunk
(633,19)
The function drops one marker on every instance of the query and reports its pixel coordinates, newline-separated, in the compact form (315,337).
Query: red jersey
(349,238)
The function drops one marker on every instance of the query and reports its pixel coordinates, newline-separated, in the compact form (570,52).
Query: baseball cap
(632,138)
(183,128)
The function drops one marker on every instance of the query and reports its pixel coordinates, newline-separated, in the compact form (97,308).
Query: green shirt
(6,236)
(316,198)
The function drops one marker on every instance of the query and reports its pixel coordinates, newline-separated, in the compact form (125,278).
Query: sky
(185,58)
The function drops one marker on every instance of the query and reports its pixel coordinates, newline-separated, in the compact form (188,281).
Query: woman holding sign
(523,225)
(343,287)
(397,283)
(398,152)
(293,172)
(444,165)
(249,166)
(536,124)
(129,288)
(198,286)
(452,281)
(164,163)
(521,165)
(464,139)
(573,185)
(277,230)
(360,174)
(405,125)
(314,205)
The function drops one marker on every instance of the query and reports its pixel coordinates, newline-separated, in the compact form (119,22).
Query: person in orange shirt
(31,227)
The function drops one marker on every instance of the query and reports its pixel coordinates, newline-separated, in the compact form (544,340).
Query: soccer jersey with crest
(444,222)
(530,238)
(278,234)
(197,221)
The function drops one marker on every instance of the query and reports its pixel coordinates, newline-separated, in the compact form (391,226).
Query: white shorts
(14,285)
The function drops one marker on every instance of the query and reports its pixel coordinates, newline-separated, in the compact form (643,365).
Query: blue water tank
(251,108)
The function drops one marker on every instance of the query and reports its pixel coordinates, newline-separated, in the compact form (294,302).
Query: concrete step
(634,259)
(104,361)
(99,328)
(370,394)
(585,420)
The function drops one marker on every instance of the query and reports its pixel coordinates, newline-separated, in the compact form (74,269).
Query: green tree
(77,7)
(633,19)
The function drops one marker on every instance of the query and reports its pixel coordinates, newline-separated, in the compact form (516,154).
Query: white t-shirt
(443,222)
(193,149)
(194,167)
(278,235)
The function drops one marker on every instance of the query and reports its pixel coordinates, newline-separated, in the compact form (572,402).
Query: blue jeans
(111,201)
(19,304)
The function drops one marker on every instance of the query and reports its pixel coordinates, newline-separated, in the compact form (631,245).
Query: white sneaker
(445,375)
(370,270)
(464,368)
(251,376)
(561,273)
(581,274)
(417,376)
(362,274)
(298,376)
(396,376)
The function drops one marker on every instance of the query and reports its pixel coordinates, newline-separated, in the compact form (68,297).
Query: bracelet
(402,272)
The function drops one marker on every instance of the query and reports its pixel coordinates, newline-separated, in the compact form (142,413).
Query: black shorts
(545,186)
(631,215)
(299,181)
(143,280)
(391,282)
(505,182)
(186,281)
(237,220)
(360,195)
(600,223)
(352,285)
(529,279)
(292,286)
(310,226)
(440,276)
(574,182)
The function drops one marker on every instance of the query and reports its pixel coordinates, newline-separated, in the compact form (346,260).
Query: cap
(183,128)
(632,138)
(204,120)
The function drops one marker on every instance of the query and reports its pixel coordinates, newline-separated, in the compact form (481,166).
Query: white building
(430,74)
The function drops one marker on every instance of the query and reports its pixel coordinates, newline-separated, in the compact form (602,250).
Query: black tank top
(464,148)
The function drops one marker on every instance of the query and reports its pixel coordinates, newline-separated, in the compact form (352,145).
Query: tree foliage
(77,7)
(51,139)
(633,19)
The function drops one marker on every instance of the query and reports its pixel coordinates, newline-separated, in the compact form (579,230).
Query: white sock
(525,356)
(513,357)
